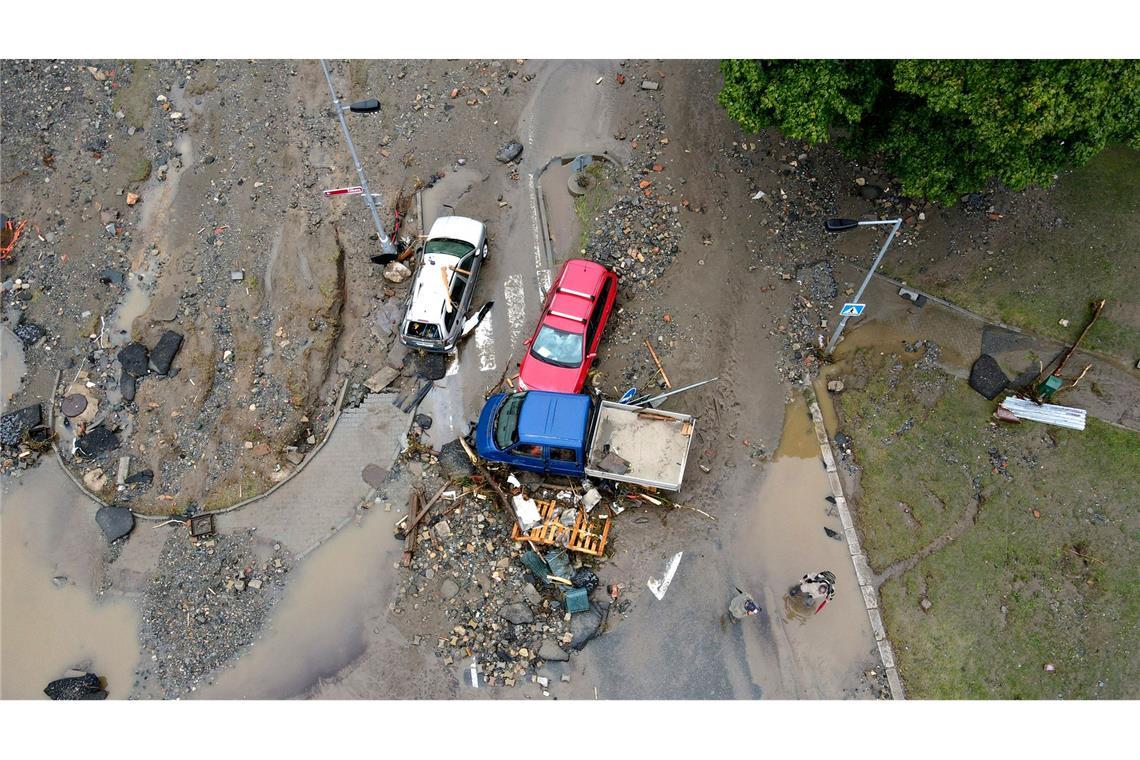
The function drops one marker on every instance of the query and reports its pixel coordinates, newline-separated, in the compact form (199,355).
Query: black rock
(127,385)
(454,462)
(585,578)
(509,152)
(111,277)
(163,353)
(133,358)
(142,477)
(116,522)
(29,333)
(86,686)
(424,421)
(15,424)
(987,378)
(585,626)
(96,443)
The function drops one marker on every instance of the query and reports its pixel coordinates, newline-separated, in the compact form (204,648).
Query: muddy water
(12,366)
(325,621)
(48,531)
(132,306)
(825,652)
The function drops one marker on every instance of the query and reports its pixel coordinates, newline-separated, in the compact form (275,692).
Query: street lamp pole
(842,225)
(387,248)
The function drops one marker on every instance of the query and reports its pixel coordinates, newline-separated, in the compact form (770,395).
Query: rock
(116,522)
(14,425)
(142,477)
(132,198)
(585,578)
(255,584)
(453,461)
(164,309)
(374,475)
(518,614)
(551,652)
(585,626)
(381,379)
(448,588)
(164,352)
(835,386)
(261,450)
(530,593)
(133,358)
(95,480)
(396,272)
(294,457)
(127,385)
(237,275)
(925,604)
(987,378)
(509,152)
(424,421)
(649,85)
(442,529)
(87,686)
(29,333)
(60,581)
(97,442)
(111,277)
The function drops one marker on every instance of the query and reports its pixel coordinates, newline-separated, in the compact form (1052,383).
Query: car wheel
(486,251)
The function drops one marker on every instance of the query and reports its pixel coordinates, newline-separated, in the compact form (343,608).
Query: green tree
(944,128)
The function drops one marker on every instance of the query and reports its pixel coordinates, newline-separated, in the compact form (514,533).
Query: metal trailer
(655,444)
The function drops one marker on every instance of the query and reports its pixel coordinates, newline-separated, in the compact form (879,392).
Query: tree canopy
(945,127)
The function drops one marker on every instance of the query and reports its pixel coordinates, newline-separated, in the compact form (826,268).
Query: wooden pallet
(588,534)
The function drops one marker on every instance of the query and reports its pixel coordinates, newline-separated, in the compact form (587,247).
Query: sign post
(855,308)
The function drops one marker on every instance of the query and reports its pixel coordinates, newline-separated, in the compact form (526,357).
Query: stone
(133,358)
(164,352)
(237,275)
(255,583)
(448,588)
(926,604)
(424,421)
(987,378)
(585,626)
(87,686)
(14,425)
(530,593)
(97,442)
(835,386)
(116,522)
(396,272)
(111,277)
(442,529)
(95,480)
(294,457)
(518,614)
(551,652)
(142,477)
(124,468)
(509,152)
(128,386)
(649,85)
(164,309)
(261,450)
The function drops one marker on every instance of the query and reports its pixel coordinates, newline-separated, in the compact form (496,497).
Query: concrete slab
(870,598)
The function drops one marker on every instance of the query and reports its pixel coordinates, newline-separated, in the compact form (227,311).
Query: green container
(1049,387)
(536,565)
(576,600)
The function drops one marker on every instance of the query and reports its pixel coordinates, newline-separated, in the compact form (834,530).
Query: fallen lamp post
(843,225)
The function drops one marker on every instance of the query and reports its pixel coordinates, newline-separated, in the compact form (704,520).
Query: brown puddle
(791,512)
(48,531)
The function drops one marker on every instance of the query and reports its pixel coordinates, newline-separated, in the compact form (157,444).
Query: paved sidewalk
(1110,392)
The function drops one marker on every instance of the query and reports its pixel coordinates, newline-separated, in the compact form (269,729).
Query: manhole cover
(73,405)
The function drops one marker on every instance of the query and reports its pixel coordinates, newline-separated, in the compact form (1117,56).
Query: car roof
(575,291)
(554,419)
(457,228)
(428,290)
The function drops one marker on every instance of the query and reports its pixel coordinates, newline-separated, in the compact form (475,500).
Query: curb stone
(858,559)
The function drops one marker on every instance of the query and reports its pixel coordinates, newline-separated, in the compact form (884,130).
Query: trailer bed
(653,442)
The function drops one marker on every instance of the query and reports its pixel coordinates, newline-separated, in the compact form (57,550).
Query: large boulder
(585,626)
(97,442)
(551,652)
(517,614)
(116,522)
(509,152)
(987,378)
(164,352)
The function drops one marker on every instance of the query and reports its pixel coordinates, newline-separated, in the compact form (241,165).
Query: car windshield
(506,425)
(448,247)
(558,347)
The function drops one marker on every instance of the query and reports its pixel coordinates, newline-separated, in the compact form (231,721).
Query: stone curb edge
(858,559)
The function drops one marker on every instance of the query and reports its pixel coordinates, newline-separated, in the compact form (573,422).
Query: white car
(444,284)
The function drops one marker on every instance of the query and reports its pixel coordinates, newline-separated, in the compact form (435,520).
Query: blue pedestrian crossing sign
(851,309)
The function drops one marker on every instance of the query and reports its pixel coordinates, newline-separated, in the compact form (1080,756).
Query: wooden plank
(658,363)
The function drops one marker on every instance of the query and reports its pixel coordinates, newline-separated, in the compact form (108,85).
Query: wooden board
(588,535)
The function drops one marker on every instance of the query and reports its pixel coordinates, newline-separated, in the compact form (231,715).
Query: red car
(560,352)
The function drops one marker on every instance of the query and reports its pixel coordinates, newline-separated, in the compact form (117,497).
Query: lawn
(1047,573)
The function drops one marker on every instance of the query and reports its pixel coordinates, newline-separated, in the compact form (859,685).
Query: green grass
(588,206)
(1081,613)
(1046,274)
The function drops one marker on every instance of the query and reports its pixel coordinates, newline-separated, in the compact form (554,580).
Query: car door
(563,462)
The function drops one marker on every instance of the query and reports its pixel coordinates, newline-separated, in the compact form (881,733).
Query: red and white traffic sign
(354,190)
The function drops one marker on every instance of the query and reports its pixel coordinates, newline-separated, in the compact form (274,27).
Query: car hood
(537,375)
